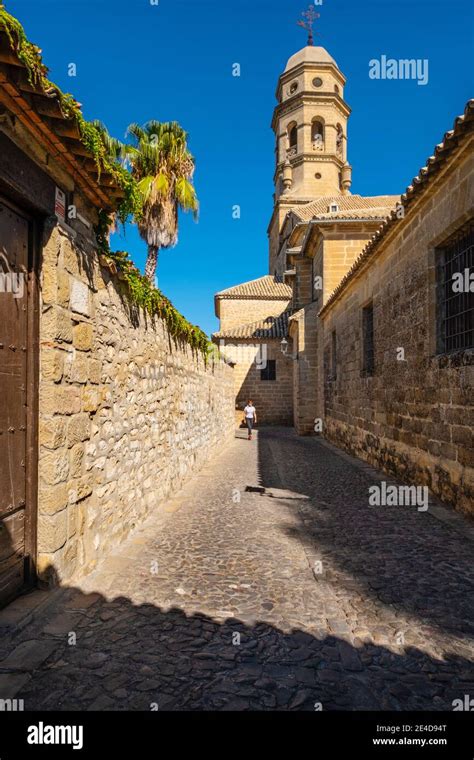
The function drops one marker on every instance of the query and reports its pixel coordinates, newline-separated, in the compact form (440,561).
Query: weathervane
(310,17)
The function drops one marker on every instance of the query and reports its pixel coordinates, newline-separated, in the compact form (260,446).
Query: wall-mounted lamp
(284,350)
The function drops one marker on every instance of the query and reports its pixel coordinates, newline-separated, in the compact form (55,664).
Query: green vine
(29,54)
(144,295)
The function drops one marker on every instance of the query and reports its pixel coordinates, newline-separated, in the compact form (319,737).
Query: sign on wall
(60,204)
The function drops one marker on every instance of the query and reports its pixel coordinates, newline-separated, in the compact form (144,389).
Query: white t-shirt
(249,412)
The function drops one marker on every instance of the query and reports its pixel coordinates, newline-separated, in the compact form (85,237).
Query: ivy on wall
(144,295)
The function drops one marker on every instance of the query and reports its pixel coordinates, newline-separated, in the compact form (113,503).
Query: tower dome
(310,54)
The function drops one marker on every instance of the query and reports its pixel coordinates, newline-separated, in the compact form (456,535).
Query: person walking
(250,416)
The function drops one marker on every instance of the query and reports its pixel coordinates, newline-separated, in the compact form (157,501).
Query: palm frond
(113,147)
(144,186)
(186,195)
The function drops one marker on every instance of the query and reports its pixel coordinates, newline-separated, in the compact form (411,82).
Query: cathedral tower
(310,126)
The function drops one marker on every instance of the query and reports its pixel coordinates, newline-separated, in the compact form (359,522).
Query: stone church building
(356,332)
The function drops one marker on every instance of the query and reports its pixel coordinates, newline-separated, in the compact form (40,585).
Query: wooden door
(17,507)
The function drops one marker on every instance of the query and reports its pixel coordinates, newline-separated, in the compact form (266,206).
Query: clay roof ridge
(346,204)
(266,287)
(273,326)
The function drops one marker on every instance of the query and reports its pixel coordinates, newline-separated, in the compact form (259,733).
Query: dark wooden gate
(17,405)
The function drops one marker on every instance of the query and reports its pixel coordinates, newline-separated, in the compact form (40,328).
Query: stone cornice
(308,98)
(311,158)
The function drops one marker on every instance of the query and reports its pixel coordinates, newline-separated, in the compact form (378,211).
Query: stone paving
(297,597)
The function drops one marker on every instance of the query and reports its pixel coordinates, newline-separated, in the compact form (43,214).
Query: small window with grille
(269,372)
(455,314)
(368,363)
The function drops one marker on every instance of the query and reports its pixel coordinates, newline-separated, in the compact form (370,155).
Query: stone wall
(234,312)
(341,248)
(303,329)
(414,417)
(126,414)
(330,255)
(273,399)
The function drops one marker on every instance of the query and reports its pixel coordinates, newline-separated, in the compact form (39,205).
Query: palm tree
(114,148)
(163,168)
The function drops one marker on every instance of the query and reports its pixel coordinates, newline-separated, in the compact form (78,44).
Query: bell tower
(310,125)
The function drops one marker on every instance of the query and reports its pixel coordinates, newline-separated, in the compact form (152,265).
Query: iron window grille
(456,299)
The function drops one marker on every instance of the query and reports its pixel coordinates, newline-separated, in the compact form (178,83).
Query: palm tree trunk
(151,263)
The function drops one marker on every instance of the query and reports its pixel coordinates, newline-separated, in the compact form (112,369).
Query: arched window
(292,139)
(317,134)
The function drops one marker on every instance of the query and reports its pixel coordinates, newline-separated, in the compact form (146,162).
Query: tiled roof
(462,125)
(267,287)
(350,207)
(271,327)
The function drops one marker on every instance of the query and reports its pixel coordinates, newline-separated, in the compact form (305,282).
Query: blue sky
(173,61)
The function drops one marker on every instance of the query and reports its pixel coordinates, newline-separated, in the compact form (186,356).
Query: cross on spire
(310,17)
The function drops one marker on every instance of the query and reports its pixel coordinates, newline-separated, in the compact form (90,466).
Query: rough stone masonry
(126,414)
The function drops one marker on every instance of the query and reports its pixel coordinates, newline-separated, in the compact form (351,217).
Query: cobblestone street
(302,597)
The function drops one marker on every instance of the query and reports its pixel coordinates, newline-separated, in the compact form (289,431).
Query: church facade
(365,341)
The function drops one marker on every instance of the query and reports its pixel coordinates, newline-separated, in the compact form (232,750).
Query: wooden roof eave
(41,115)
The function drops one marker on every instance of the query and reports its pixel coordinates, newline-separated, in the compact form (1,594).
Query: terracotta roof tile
(271,327)
(267,287)
(350,207)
